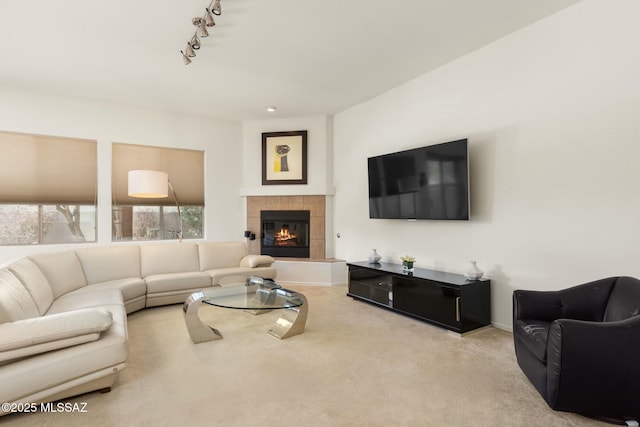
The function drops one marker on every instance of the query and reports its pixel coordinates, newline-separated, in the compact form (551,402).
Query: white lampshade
(148,184)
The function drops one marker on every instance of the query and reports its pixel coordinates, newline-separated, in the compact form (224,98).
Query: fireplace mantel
(287,190)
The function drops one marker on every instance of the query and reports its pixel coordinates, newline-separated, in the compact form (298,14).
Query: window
(156,222)
(158,219)
(48,189)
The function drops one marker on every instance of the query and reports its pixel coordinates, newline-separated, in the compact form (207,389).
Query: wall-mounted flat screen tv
(424,183)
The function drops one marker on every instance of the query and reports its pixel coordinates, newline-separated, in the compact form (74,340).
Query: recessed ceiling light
(271,109)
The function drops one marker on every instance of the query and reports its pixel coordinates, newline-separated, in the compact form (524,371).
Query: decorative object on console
(374,258)
(284,158)
(150,184)
(474,273)
(201,24)
(407,263)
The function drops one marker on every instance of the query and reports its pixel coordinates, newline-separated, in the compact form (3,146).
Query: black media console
(447,300)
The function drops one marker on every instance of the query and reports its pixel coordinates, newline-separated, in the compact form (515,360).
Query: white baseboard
(508,328)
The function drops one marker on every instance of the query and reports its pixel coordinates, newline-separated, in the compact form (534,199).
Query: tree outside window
(22,224)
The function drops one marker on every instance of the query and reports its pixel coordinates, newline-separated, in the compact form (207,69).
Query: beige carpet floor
(355,365)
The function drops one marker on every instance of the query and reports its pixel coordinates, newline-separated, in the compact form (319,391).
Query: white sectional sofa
(63,315)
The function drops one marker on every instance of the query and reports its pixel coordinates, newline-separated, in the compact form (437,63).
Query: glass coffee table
(253,295)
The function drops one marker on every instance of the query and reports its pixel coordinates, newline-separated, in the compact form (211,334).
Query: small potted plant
(407,262)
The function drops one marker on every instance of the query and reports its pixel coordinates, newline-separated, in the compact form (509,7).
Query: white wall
(552,113)
(29,112)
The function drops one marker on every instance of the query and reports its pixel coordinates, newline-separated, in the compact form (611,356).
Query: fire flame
(284,237)
(285,234)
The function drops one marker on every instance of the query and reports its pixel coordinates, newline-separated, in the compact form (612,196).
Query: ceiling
(305,57)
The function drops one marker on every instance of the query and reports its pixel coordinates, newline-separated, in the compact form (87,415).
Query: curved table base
(198,331)
(291,321)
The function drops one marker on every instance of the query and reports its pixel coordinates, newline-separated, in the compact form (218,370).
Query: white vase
(374,258)
(474,273)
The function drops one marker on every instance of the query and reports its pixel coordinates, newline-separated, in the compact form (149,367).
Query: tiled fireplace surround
(314,204)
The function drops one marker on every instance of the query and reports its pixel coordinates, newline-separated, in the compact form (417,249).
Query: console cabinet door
(371,285)
(428,300)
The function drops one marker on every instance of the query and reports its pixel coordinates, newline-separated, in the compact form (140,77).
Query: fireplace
(285,233)
(316,206)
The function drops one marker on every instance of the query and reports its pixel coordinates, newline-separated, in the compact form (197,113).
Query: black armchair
(580,347)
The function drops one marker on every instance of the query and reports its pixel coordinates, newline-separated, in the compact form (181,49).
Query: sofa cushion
(163,258)
(62,270)
(15,301)
(131,288)
(35,283)
(107,263)
(82,299)
(253,261)
(133,291)
(533,334)
(50,329)
(221,254)
(177,281)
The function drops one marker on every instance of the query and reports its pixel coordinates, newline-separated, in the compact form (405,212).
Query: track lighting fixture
(201,24)
(202,31)
(195,42)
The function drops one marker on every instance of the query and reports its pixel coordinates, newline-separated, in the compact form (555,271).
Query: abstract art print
(284,158)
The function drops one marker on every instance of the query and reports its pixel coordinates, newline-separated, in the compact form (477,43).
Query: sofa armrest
(54,328)
(253,261)
(592,361)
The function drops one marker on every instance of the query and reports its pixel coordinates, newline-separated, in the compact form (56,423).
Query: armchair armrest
(597,361)
(36,335)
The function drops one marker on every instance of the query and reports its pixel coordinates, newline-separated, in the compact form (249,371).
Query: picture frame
(284,158)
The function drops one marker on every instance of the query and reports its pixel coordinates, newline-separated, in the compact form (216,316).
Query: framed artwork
(284,158)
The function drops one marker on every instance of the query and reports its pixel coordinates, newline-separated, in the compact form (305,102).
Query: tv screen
(424,183)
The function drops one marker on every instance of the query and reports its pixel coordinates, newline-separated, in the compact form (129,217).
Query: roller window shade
(38,169)
(184,167)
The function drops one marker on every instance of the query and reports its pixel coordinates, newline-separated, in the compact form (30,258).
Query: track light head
(190,51)
(195,42)
(202,30)
(208,18)
(185,58)
(217,9)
